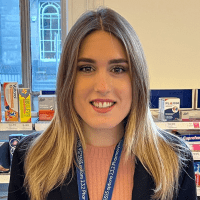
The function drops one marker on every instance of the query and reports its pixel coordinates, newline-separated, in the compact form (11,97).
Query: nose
(103,83)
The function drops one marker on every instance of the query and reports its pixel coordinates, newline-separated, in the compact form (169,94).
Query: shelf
(5,178)
(178,125)
(198,191)
(16,126)
(41,125)
(196,155)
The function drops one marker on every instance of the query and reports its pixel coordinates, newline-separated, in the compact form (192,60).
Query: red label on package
(196,124)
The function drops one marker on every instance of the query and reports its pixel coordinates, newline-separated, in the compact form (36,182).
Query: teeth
(103,105)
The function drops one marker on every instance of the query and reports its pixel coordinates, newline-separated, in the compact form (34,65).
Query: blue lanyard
(112,174)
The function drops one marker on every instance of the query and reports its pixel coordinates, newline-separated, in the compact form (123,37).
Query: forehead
(101,42)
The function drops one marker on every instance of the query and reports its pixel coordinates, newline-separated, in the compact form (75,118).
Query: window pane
(10,42)
(50,9)
(47,35)
(47,46)
(54,24)
(46,23)
(49,55)
(45,43)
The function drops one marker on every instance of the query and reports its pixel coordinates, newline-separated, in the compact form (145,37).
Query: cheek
(126,90)
(128,95)
(81,90)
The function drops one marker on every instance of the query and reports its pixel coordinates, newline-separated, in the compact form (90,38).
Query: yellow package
(25,104)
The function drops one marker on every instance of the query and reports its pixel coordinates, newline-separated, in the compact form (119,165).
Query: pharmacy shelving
(4,177)
(198,192)
(41,125)
(15,126)
(179,125)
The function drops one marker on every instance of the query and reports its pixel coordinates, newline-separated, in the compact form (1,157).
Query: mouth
(102,104)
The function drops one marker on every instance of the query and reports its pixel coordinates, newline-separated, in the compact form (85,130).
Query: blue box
(14,139)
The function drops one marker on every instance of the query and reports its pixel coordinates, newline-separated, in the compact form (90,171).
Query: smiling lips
(102,105)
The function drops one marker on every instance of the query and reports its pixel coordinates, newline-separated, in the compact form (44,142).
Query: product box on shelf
(47,92)
(169,108)
(47,105)
(25,105)
(184,115)
(14,139)
(197,173)
(190,115)
(193,142)
(194,114)
(191,139)
(11,101)
(4,156)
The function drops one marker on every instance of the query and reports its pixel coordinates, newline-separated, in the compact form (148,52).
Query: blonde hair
(52,155)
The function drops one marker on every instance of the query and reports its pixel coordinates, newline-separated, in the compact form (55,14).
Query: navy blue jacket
(142,190)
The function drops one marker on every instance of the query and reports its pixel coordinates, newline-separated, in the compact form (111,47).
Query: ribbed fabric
(97,164)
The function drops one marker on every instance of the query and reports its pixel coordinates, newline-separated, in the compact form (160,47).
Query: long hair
(52,155)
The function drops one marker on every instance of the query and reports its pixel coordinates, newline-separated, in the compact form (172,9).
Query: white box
(47,105)
(194,114)
(169,108)
(184,115)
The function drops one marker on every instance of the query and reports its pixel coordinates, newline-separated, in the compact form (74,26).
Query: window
(10,42)
(30,25)
(50,31)
(45,21)
(24,26)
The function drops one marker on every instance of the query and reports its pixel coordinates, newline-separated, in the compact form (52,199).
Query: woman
(102,107)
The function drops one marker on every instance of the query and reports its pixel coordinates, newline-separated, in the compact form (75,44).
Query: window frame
(42,29)
(25,44)
(26,40)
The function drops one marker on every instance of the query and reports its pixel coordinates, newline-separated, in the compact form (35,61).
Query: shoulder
(182,150)
(25,143)
(187,184)
(17,175)
(28,139)
(176,143)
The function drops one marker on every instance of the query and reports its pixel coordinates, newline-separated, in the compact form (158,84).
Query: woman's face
(102,92)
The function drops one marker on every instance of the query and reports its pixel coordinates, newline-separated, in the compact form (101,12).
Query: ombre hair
(52,155)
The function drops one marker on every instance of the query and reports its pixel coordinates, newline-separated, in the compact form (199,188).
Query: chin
(103,125)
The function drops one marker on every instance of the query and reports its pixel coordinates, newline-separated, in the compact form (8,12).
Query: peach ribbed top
(97,163)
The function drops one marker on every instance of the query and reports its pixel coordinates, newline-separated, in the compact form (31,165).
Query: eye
(86,69)
(119,69)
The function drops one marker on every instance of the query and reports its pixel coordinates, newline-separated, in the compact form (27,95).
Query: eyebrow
(113,61)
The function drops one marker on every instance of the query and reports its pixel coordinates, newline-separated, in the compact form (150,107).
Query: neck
(103,137)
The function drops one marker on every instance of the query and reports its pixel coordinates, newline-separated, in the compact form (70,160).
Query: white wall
(170,35)
(77,7)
